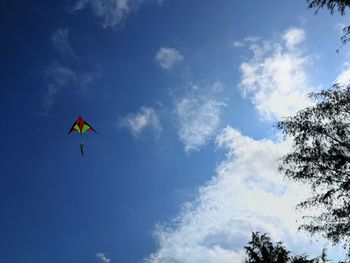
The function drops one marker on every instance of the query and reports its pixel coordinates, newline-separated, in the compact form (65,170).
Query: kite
(81,127)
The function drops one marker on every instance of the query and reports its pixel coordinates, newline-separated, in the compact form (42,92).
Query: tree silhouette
(320,157)
(260,249)
(302,259)
(340,6)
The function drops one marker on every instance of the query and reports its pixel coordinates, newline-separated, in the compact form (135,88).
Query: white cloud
(251,39)
(102,258)
(245,41)
(61,43)
(168,57)
(344,77)
(246,194)
(294,37)
(275,78)
(199,118)
(138,122)
(238,44)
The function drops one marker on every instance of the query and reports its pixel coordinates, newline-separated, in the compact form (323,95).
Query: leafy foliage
(260,249)
(321,157)
(340,6)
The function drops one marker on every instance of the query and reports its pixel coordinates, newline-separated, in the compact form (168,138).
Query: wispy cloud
(102,258)
(168,57)
(60,41)
(146,118)
(246,194)
(112,12)
(245,41)
(293,37)
(238,44)
(276,79)
(58,77)
(198,115)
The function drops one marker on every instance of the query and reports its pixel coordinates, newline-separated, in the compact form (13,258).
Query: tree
(320,157)
(323,257)
(303,259)
(340,5)
(260,249)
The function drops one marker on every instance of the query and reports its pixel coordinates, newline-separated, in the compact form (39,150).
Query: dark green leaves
(260,249)
(320,157)
(340,6)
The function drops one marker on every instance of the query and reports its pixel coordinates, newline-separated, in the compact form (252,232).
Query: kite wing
(81,126)
(87,127)
(75,127)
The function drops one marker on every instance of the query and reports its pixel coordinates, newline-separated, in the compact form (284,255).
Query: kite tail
(81,146)
(82,149)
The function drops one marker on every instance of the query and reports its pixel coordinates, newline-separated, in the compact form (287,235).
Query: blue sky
(184,95)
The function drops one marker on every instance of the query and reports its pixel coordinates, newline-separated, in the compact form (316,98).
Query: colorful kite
(81,127)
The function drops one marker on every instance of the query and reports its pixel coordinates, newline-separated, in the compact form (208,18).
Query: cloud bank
(246,194)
